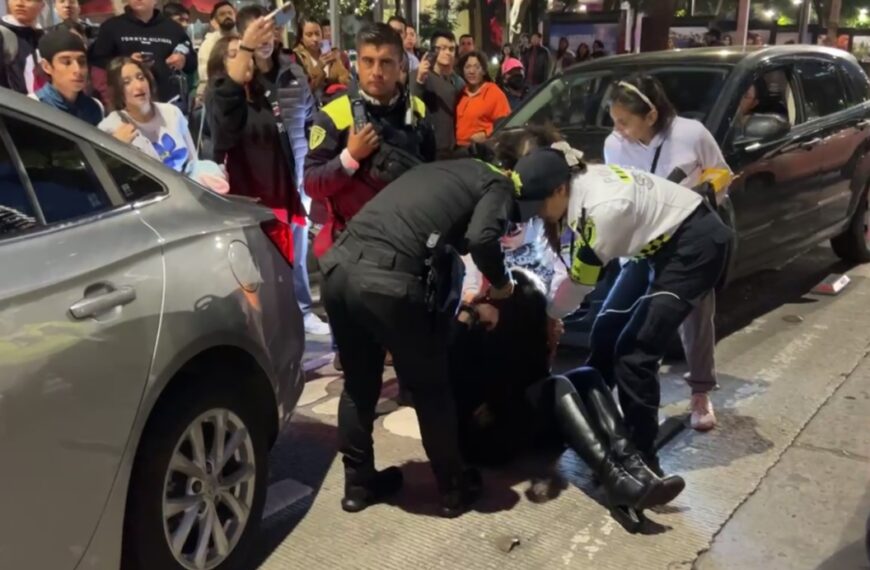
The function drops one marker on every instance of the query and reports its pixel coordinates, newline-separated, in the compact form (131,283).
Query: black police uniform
(375,294)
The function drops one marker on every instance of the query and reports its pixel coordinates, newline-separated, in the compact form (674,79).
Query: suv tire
(198,409)
(854,243)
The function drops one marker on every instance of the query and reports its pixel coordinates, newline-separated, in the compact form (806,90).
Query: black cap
(541,172)
(59,40)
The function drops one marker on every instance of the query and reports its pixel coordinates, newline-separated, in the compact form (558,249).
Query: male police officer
(381,291)
(347,166)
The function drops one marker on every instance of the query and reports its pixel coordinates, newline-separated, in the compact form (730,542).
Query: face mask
(514,81)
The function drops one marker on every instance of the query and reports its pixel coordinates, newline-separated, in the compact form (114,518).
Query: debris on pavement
(507,543)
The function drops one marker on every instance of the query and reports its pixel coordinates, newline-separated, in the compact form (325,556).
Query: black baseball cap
(540,172)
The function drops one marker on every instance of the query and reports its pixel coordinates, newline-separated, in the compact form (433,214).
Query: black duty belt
(380,257)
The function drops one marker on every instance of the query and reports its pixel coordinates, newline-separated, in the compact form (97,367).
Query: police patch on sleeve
(318,135)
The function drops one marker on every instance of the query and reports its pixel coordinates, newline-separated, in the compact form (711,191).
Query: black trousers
(685,269)
(371,309)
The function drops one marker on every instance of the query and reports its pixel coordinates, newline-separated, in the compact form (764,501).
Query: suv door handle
(810,144)
(863,124)
(98,304)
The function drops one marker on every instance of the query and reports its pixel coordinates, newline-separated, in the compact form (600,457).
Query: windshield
(579,100)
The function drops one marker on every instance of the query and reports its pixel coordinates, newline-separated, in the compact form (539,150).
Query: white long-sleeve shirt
(617,212)
(685,144)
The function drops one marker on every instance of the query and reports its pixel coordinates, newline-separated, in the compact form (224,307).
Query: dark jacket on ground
(466,201)
(249,139)
(440,95)
(536,62)
(326,178)
(84,107)
(17,46)
(159,37)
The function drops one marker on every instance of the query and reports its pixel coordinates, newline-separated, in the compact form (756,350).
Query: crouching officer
(367,137)
(393,280)
(615,212)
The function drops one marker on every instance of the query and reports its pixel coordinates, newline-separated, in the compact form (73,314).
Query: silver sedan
(150,348)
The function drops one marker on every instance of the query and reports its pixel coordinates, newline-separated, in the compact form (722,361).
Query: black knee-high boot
(623,491)
(608,419)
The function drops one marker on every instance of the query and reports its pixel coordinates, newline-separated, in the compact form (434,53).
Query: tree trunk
(657,25)
(834,20)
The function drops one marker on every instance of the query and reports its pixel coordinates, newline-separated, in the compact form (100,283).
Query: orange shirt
(478,112)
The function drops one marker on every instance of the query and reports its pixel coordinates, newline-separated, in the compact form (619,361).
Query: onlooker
(466,44)
(159,130)
(583,53)
(145,35)
(649,135)
(258,106)
(439,88)
(19,36)
(713,37)
(481,102)
(525,44)
(246,132)
(178,13)
(223,24)
(64,61)
(326,29)
(507,52)
(411,50)
(398,24)
(536,61)
(564,57)
(598,49)
(322,69)
(69,12)
(514,82)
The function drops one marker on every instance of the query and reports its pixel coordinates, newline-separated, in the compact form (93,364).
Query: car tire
(168,476)
(854,243)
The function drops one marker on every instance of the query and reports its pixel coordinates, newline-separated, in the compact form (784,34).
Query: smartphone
(432,57)
(325,47)
(283,15)
(360,120)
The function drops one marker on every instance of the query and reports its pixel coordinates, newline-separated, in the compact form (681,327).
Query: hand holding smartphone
(283,15)
(325,47)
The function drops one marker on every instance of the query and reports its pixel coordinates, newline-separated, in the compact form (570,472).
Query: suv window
(16,211)
(824,92)
(66,187)
(579,100)
(132,182)
(860,84)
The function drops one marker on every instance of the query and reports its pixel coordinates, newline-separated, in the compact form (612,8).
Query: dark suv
(801,156)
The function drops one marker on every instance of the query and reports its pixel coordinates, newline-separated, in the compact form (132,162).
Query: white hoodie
(617,212)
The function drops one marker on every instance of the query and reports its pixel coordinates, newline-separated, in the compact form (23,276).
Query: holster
(446,272)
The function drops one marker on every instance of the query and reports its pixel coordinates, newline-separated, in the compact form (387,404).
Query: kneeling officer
(381,291)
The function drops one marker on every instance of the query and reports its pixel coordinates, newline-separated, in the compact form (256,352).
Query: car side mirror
(763,127)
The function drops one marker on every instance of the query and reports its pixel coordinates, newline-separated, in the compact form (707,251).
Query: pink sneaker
(703,417)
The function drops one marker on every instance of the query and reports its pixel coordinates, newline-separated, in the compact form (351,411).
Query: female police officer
(616,212)
(380,292)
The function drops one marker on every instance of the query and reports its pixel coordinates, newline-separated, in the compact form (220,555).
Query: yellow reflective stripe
(419,106)
(581,272)
(653,247)
(584,274)
(620,172)
(339,111)
(513,176)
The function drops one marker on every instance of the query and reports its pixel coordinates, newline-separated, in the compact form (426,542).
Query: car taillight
(281,235)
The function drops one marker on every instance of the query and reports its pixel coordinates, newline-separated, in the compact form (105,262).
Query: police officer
(617,212)
(347,165)
(381,290)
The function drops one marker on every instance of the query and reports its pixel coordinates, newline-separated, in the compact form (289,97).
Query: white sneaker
(314,325)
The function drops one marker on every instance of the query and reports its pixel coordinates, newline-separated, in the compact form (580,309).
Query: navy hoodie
(158,38)
(84,107)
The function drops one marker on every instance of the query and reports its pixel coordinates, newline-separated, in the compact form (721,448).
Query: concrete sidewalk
(772,447)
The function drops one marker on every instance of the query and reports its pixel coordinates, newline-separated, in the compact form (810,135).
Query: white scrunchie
(573,156)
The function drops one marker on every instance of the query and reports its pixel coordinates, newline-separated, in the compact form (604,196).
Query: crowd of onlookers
(245,113)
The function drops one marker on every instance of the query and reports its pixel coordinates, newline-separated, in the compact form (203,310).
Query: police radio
(358,110)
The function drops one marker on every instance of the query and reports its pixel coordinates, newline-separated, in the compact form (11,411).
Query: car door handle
(98,304)
(810,144)
(863,124)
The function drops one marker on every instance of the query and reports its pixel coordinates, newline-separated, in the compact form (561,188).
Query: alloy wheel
(209,489)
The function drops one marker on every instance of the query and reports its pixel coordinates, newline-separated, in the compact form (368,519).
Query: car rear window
(580,100)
